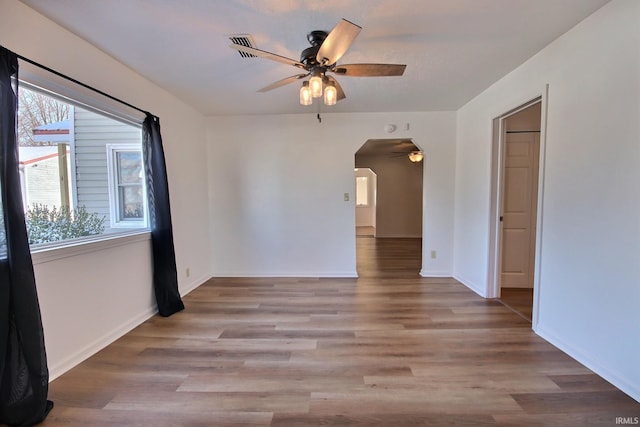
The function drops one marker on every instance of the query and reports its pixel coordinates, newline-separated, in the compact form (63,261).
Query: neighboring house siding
(42,182)
(92,134)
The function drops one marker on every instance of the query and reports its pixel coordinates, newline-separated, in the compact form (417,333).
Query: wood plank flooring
(519,300)
(365,231)
(387,349)
(391,258)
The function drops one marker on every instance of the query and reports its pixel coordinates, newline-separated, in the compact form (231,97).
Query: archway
(397,197)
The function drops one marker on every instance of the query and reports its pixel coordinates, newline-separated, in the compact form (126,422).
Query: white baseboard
(194,284)
(428,273)
(76,358)
(633,390)
(469,284)
(100,343)
(302,274)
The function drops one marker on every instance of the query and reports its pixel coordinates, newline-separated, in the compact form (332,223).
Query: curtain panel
(165,274)
(24,375)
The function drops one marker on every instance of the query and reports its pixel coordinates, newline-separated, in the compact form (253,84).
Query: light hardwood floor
(387,349)
(519,300)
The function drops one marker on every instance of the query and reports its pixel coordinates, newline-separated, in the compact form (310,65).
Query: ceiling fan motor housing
(317,37)
(308,56)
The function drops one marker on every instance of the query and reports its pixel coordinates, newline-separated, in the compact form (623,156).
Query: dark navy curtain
(165,275)
(24,376)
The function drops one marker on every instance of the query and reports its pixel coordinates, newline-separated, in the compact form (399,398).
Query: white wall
(587,282)
(277,184)
(109,290)
(85,305)
(399,201)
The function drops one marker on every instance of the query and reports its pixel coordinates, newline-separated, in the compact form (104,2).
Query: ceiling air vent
(244,40)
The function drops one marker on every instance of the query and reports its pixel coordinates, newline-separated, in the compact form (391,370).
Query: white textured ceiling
(453,49)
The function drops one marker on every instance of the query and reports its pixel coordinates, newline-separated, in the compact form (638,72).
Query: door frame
(497,188)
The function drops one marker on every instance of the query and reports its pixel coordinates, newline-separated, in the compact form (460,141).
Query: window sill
(76,248)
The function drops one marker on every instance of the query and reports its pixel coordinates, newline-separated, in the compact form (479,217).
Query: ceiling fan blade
(370,70)
(283,82)
(337,42)
(268,55)
(339,90)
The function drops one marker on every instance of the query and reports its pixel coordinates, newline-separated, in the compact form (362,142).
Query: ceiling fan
(321,58)
(408,149)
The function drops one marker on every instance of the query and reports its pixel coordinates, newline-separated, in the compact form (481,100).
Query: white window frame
(114,200)
(36,78)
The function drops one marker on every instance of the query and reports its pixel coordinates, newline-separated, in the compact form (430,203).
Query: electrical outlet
(434,254)
(346,197)
(187,272)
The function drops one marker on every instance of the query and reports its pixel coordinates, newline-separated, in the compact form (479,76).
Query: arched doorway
(397,198)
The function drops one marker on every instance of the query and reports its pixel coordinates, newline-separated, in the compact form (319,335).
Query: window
(362,191)
(81,170)
(127,193)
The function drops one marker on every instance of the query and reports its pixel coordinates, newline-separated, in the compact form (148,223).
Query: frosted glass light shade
(330,94)
(315,84)
(416,156)
(305,94)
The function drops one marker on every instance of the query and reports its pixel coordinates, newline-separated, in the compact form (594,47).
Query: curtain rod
(86,86)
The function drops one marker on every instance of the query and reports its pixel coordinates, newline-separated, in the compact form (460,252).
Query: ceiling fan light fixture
(305,94)
(416,156)
(315,84)
(321,58)
(330,94)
